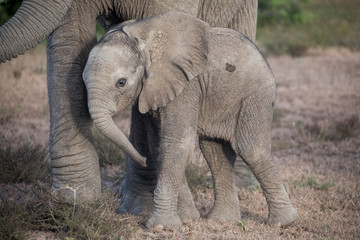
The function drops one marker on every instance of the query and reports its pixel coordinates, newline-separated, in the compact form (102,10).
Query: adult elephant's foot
(225,213)
(135,202)
(75,175)
(83,191)
(160,220)
(186,207)
(187,211)
(284,215)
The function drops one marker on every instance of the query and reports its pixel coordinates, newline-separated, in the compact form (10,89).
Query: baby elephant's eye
(121,82)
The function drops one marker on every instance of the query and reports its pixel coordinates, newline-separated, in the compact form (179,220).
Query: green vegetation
(242,225)
(301,24)
(272,12)
(100,31)
(8,9)
(313,184)
(286,26)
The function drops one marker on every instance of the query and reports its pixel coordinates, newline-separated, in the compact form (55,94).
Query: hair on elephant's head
(148,62)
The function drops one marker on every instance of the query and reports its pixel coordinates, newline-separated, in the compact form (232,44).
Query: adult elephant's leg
(186,207)
(240,15)
(220,158)
(74,161)
(253,143)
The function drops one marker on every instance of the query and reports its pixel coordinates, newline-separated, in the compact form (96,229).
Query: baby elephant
(185,79)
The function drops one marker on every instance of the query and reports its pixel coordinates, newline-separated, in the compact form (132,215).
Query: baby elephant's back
(235,64)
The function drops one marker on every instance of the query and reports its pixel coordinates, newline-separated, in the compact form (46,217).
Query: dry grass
(26,163)
(26,210)
(316,142)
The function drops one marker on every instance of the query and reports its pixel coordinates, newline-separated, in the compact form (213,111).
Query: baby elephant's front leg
(174,158)
(177,140)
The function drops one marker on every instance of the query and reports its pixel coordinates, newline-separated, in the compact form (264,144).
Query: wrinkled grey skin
(183,79)
(70,26)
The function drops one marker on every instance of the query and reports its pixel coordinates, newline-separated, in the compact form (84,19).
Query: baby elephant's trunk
(103,121)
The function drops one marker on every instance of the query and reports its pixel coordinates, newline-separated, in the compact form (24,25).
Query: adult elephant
(71,29)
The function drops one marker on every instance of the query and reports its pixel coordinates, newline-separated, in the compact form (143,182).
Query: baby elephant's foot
(283,216)
(164,220)
(224,213)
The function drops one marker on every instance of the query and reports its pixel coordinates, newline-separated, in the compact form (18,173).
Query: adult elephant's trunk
(102,117)
(34,20)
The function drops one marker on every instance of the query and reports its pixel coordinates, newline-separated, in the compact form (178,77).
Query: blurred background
(286,26)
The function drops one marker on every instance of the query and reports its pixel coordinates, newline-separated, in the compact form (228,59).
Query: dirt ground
(316,145)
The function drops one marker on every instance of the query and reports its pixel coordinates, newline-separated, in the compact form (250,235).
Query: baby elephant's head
(148,63)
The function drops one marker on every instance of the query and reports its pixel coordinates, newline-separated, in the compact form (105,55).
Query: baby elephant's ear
(176,47)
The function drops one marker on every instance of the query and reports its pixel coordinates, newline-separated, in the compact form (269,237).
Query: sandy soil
(318,99)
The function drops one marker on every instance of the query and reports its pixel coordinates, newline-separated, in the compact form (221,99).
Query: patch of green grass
(41,211)
(313,184)
(27,163)
(332,23)
(100,31)
(197,178)
(108,152)
(242,225)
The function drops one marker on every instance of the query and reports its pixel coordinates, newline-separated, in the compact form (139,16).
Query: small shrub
(41,211)
(335,131)
(11,220)
(343,129)
(26,163)
(308,133)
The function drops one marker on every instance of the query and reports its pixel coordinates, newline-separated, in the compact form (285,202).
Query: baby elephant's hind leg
(253,140)
(220,158)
